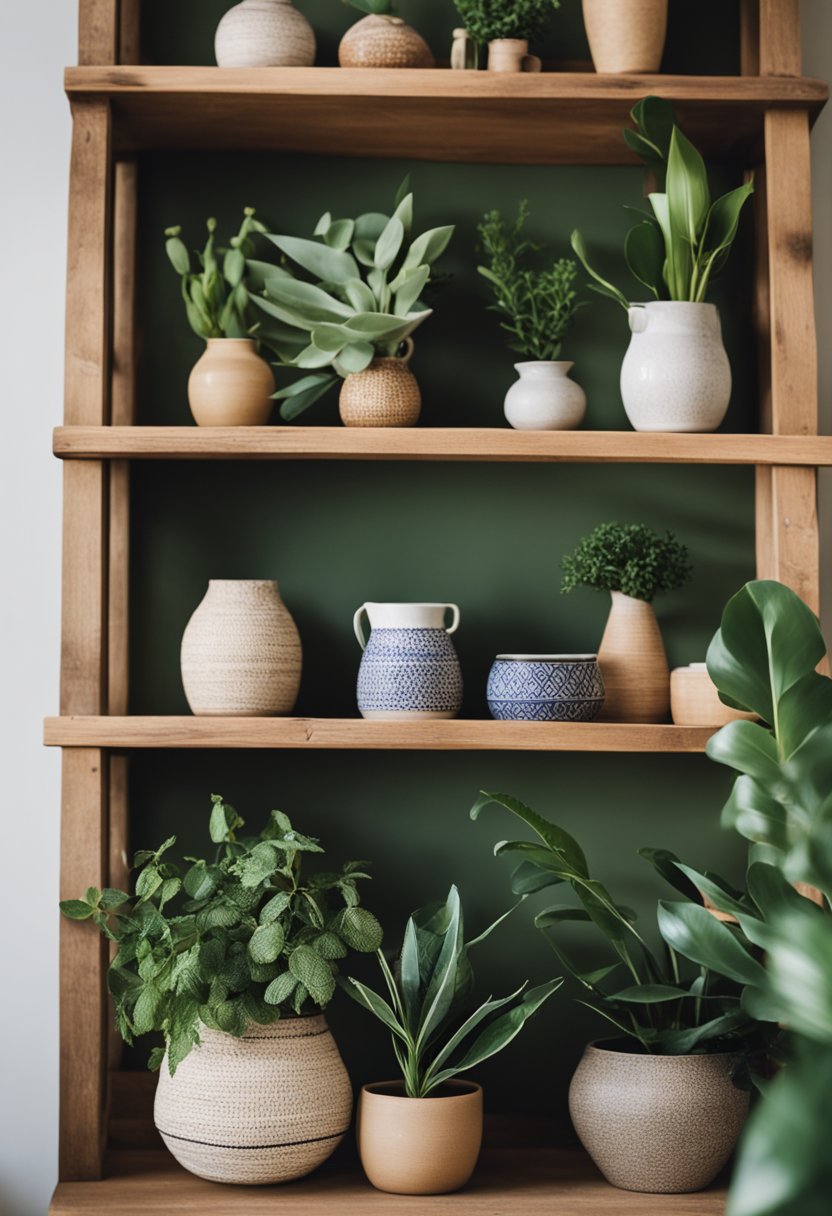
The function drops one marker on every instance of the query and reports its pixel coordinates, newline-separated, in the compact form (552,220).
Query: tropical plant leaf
(327,265)
(694,933)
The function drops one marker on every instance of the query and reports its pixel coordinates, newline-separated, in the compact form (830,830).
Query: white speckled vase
(264,34)
(675,375)
(544,398)
(660,1124)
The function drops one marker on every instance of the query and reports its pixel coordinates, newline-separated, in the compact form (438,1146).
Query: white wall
(37,38)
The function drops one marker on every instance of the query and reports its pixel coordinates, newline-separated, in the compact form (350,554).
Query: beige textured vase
(694,700)
(385,394)
(512,55)
(662,1124)
(264,34)
(269,1107)
(381,41)
(419,1146)
(230,385)
(241,652)
(626,35)
(634,664)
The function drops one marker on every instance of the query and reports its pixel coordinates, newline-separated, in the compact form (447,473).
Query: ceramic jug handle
(356,624)
(409,347)
(454,625)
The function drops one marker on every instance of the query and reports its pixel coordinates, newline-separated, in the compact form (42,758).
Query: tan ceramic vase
(419,1146)
(384,394)
(634,664)
(626,35)
(662,1124)
(264,34)
(694,700)
(268,1107)
(230,385)
(511,55)
(381,41)
(241,652)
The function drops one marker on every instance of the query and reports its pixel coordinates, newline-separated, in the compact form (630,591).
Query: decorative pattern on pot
(230,385)
(544,398)
(384,394)
(694,700)
(675,375)
(382,41)
(409,668)
(241,651)
(512,55)
(264,34)
(626,35)
(545,688)
(268,1107)
(662,1124)
(634,663)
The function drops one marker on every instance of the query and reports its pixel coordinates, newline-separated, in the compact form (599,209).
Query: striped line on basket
(253,1147)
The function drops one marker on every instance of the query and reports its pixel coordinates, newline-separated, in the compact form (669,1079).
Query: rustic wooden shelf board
(550,118)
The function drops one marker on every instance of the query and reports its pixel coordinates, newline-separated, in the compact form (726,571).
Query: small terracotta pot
(661,1124)
(626,35)
(381,41)
(230,385)
(419,1146)
(384,394)
(694,700)
(512,55)
(633,663)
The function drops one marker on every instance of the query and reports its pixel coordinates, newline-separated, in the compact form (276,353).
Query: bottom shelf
(560,1181)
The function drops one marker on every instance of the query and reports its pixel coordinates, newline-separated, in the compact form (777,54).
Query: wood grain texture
(779,35)
(98,31)
(129,37)
(795,532)
(750,37)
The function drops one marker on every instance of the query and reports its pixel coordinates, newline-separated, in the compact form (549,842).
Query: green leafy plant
(487,20)
(631,558)
(216,296)
(430,1014)
(362,300)
(371,6)
(247,939)
(677,251)
(540,304)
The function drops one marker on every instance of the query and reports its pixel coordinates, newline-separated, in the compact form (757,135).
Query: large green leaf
(688,197)
(749,748)
(302,399)
(328,265)
(375,1005)
(799,972)
(355,358)
(410,976)
(601,285)
(645,254)
(716,889)
(755,814)
(442,983)
(693,932)
(310,970)
(667,864)
(553,836)
(684,1042)
(388,244)
(428,247)
(678,266)
(303,304)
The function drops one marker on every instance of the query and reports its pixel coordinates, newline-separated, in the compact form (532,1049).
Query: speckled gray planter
(662,1124)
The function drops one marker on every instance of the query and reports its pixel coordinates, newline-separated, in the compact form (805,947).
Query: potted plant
(382,40)
(230,385)
(675,375)
(659,1107)
(354,315)
(234,962)
(264,34)
(421,1135)
(635,564)
(539,306)
(507,26)
(626,35)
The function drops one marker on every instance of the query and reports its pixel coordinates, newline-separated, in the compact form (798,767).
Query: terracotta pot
(381,41)
(662,1124)
(626,35)
(230,385)
(268,1107)
(264,34)
(419,1146)
(634,664)
(384,394)
(694,700)
(511,55)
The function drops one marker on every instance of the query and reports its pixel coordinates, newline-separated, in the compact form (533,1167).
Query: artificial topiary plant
(630,558)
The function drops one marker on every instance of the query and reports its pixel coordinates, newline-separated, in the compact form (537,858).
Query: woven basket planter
(269,1107)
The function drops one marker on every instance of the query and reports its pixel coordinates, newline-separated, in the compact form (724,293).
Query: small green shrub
(631,558)
(486,20)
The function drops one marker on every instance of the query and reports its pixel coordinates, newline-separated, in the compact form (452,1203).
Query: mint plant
(244,937)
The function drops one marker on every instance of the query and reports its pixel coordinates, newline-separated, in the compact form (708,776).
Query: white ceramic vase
(675,375)
(544,398)
(264,34)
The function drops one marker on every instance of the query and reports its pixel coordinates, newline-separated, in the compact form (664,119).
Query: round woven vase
(269,1107)
(382,41)
(384,394)
(264,34)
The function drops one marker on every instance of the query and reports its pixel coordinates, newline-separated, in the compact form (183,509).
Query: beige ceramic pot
(268,1107)
(241,652)
(381,41)
(230,385)
(264,34)
(384,394)
(511,55)
(663,1124)
(634,664)
(694,700)
(626,35)
(419,1146)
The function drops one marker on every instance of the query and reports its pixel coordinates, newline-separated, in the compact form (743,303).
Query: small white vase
(675,375)
(264,34)
(544,398)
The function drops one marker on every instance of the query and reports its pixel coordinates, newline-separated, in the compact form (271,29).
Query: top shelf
(429,114)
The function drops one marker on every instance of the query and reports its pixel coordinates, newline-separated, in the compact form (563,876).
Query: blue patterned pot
(410,668)
(545,688)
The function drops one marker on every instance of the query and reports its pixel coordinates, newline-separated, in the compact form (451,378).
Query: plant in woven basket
(243,937)
(216,296)
(489,20)
(630,558)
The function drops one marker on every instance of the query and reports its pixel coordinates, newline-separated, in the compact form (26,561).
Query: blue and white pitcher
(410,668)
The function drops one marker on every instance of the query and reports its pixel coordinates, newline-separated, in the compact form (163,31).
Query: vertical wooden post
(98,31)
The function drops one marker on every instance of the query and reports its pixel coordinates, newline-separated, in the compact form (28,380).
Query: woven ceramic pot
(626,35)
(384,394)
(663,1124)
(381,41)
(634,663)
(545,688)
(694,700)
(268,1107)
(241,652)
(264,34)
(409,668)
(544,398)
(230,385)
(419,1146)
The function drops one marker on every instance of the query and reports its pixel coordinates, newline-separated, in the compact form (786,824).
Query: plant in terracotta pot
(382,40)
(539,306)
(422,1135)
(230,385)
(352,318)
(264,34)
(233,961)
(626,35)
(635,564)
(507,27)
(675,375)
